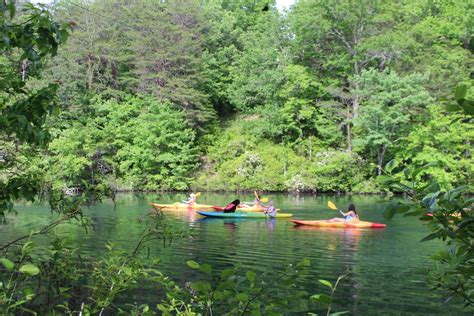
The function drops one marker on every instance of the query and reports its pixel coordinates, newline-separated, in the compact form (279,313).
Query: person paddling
(191,199)
(270,209)
(256,203)
(231,207)
(350,216)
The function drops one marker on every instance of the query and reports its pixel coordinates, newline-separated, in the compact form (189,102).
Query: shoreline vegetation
(237,97)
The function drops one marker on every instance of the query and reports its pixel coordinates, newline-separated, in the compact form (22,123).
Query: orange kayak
(325,223)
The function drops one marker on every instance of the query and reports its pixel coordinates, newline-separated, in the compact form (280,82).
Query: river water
(387,267)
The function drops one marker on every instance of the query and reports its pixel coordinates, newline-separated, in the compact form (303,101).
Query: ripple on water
(385,267)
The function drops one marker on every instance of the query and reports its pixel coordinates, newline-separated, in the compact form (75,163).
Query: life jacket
(230,208)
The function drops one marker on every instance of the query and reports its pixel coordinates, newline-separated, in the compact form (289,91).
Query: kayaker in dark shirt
(230,208)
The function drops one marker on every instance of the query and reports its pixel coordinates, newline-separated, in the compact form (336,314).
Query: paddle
(256,195)
(264,200)
(333,206)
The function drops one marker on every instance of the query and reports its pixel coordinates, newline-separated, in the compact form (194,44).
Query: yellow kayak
(180,206)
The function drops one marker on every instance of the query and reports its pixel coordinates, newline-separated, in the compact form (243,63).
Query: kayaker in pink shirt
(350,216)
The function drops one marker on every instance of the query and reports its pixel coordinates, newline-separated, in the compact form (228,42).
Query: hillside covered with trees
(234,95)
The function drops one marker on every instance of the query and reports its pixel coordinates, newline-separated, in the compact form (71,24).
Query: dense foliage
(348,80)
(448,211)
(144,143)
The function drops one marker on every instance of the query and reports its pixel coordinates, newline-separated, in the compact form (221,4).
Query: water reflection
(385,266)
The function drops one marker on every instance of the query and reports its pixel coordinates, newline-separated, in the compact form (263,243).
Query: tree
(225,39)
(390,106)
(27,40)
(164,47)
(90,62)
(449,212)
(137,143)
(257,69)
(329,38)
(438,43)
(443,146)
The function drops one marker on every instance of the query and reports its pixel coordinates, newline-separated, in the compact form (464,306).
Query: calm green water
(387,266)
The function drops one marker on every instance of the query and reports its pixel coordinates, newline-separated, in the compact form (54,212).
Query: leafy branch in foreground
(235,292)
(27,38)
(448,213)
(61,280)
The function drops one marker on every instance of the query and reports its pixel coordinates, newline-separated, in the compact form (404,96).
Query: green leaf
(383,179)
(305,263)
(339,313)
(460,92)
(218,295)
(441,255)
(392,164)
(225,274)
(432,236)
(325,282)
(453,107)
(465,223)
(321,298)
(202,287)
(162,308)
(241,297)
(64,35)
(468,107)
(390,210)
(127,271)
(7,264)
(256,312)
(250,276)
(205,268)
(30,269)
(192,264)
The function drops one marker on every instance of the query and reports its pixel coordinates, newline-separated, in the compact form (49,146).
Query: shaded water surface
(387,267)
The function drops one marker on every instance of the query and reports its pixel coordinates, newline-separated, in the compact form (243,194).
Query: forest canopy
(235,95)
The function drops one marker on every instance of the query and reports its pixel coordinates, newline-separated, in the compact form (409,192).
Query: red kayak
(325,223)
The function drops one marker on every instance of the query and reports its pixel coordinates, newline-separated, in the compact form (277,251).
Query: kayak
(242,215)
(325,223)
(180,206)
(242,209)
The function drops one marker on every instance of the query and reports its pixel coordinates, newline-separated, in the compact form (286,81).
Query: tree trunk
(24,68)
(310,149)
(349,137)
(355,86)
(381,150)
(348,130)
(90,71)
